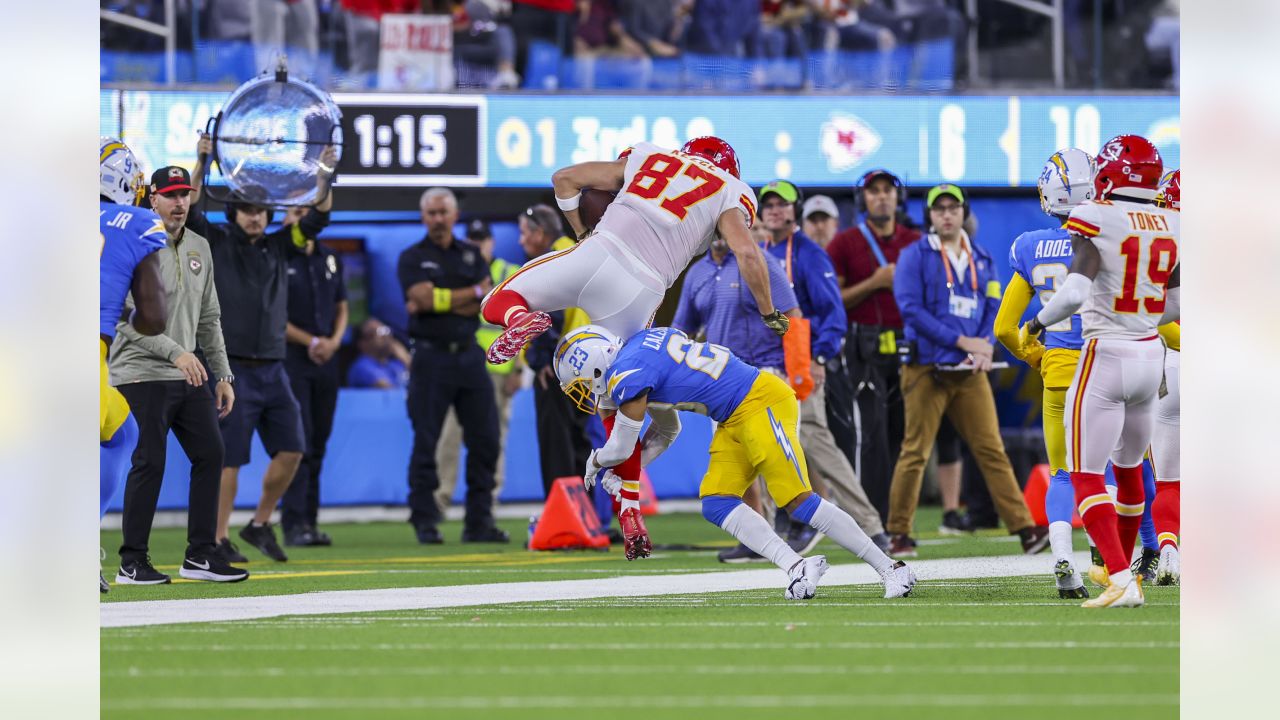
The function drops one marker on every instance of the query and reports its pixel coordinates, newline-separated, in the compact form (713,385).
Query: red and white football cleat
(634,534)
(524,328)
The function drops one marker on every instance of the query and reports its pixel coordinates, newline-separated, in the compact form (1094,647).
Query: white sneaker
(805,576)
(899,581)
(1169,571)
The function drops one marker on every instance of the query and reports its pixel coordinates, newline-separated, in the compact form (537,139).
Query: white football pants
(1166,457)
(599,275)
(1111,404)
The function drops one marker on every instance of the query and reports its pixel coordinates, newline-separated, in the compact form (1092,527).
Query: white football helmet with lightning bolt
(120,177)
(1066,181)
(582,360)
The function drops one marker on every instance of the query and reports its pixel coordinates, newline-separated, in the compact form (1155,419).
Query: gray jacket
(194,319)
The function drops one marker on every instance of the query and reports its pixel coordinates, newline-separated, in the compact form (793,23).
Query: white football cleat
(805,576)
(1116,595)
(1170,569)
(898,581)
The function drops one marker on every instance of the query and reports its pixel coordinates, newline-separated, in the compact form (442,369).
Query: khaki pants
(966,399)
(450,447)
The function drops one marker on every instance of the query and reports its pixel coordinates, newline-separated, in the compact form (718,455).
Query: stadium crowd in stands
(495,41)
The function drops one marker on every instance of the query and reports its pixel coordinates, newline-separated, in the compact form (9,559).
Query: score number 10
(417,141)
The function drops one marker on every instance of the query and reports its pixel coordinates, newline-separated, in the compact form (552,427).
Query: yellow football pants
(113,409)
(761,438)
(1056,369)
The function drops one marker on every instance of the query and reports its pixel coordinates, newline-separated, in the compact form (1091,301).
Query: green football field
(980,646)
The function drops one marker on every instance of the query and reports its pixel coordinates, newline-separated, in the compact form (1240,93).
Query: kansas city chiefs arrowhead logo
(193,261)
(846,141)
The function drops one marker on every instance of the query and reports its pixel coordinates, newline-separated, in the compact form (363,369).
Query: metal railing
(168,31)
(1051,9)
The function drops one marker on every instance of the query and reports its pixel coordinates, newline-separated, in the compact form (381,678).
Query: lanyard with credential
(951,279)
(873,242)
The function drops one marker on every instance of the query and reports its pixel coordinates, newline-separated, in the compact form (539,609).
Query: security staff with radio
(864,404)
(813,278)
(317,321)
(253,284)
(949,293)
(444,279)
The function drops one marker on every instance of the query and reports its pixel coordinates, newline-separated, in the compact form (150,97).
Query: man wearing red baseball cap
(168,389)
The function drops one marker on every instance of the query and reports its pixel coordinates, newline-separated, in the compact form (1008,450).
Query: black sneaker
(140,572)
(486,534)
(1145,565)
(263,538)
(901,545)
(802,537)
(739,554)
(428,534)
(211,567)
(615,536)
(299,536)
(955,523)
(320,537)
(1034,539)
(229,553)
(103,587)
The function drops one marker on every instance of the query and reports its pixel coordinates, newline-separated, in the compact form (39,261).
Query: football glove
(589,473)
(1030,349)
(777,322)
(611,483)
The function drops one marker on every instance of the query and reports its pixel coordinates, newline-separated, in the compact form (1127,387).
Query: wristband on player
(442,299)
(567,204)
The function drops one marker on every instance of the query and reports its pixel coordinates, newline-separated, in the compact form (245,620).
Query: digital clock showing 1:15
(398,140)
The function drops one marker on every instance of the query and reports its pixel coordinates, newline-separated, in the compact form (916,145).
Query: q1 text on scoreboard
(506,141)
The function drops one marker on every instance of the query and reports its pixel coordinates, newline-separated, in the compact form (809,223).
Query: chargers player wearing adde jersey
(661,371)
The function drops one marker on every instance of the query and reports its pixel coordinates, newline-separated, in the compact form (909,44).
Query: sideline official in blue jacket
(813,278)
(948,292)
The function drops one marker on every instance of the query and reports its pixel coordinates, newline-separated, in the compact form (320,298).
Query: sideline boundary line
(169,612)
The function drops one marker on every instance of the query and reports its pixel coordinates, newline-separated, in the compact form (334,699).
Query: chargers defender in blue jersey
(660,371)
(129,238)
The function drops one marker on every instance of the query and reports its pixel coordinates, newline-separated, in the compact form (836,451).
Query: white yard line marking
(560,670)
(649,702)
(642,646)
(635,588)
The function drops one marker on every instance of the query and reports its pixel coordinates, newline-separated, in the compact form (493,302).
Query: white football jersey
(1139,247)
(670,203)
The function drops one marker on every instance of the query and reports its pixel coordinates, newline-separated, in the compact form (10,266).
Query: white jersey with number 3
(670,203)
(1138,243)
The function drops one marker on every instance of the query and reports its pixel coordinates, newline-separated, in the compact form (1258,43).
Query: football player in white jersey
(1124,280)
(669,206)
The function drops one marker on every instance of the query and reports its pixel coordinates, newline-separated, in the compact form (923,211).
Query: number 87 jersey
(670,205)
(1138,243)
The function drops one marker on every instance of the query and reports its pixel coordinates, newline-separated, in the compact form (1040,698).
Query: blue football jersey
(1043,258)
(129,234)
(676,371)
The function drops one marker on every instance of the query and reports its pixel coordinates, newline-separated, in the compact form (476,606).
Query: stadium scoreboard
(464,140)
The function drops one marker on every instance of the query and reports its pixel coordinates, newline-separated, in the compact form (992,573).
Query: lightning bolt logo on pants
(784,442)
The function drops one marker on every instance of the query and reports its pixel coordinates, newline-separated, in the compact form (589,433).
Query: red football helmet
(719,152)
(1170,193)
(1128,161)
